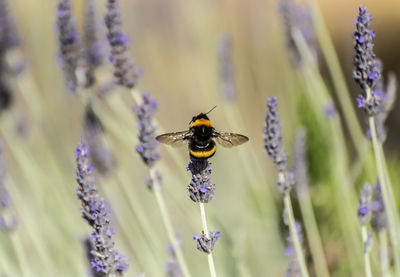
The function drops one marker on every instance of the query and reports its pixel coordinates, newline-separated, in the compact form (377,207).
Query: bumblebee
(201,138)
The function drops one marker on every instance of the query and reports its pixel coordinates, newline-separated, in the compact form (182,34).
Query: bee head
(201,115)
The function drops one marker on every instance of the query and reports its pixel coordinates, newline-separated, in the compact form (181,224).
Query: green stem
(385,186)
(292,228)
(167,223)
(313,235)
(205,229)
(367,262)
(383,253)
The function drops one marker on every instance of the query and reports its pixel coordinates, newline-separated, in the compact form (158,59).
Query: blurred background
(177,44)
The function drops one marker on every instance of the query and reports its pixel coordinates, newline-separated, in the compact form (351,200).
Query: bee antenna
(211,110)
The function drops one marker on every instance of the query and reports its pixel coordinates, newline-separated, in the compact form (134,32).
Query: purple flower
(364,210)
(373,75)
(200,188)
(69,47)
(289,251)
(226,74)
(8,32)
(293,268)
(97,215)
(147,148)
(125,71)
(172,266)
(272,135)
(206,243)
(366,69)
(296,16)
(97,265)
(330,110)
(93,47)
(360,101)
(140,148)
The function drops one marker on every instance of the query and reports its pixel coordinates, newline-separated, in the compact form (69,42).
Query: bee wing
(228,140)
(174,139)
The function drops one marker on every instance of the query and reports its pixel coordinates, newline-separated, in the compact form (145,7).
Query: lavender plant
(96,213)
(93,46)
(125,72)
(9,37)
(150,153)
(93,132)
(367,71)
(148,146)
(89,250)
(173,45)
(9,40)
(69,45)
(226,76)
(202,191)
(297,17)
(293,269)
(172,266)
(274,149)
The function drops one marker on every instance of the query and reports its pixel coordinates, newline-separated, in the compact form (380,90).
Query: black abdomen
(199,152)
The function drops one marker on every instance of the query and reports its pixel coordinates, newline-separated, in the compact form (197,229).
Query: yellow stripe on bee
(202,121)
(203,154)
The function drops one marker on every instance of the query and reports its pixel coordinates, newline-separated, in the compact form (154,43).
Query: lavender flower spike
(172,266)
(379,218)
(365,205)
(68,43)
(89,249)
(97,214)
(93,47)
(293,269)
(125,72)
(93,133)
(8,32)
(206,243)
(273,146)
(367,69)
(201,189)
(293,15)
(272,135)
(147,148)
(226,75)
